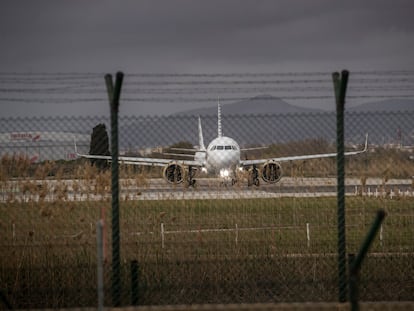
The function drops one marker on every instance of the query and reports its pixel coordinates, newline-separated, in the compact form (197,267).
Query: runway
(287,187)
(206,188)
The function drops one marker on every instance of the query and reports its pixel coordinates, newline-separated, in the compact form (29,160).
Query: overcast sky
(211,36)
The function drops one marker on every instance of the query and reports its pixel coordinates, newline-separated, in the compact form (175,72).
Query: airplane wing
(140,160)
(303,157)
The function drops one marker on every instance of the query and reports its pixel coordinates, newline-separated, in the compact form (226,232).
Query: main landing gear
(253,178)
(190,178)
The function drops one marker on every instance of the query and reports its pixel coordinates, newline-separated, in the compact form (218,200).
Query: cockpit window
(228,147)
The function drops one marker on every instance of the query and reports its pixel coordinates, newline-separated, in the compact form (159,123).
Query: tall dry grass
(46,245)
(43,254)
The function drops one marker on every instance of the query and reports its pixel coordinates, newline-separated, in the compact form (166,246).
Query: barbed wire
(185,99)
(84,89)
(175,87)
(242,74)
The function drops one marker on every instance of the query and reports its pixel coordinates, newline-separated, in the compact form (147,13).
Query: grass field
(267,250)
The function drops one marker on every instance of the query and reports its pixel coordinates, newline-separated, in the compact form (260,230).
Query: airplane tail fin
(76,147)
(366,142)
(219,132)
(200,136)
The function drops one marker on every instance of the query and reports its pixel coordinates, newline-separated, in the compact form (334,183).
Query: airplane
(221,157)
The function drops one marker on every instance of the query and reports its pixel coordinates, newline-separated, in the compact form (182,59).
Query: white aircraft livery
(221,157)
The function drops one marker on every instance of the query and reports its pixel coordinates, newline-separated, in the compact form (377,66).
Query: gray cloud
(205,36)
(89,35)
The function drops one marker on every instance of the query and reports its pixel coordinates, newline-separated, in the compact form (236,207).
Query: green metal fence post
(114,95)
(340,83)
(353,281)
(100,263)
(5,301)
(134,282)
(355,265)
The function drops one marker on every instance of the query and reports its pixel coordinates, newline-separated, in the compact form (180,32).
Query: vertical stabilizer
(200,136)
(219,133)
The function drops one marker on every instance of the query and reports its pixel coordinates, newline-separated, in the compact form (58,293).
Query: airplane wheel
(191,183)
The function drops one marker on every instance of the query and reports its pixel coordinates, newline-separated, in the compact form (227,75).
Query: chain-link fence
(221,239)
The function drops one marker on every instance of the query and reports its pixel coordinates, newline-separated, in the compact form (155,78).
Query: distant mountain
(399,104)
(267,104)
(260,120)
(262,104)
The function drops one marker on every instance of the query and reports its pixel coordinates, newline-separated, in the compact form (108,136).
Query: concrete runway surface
(206,188)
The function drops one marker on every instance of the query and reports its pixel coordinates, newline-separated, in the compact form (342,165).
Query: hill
(262,104)
(267,104)
(389,105)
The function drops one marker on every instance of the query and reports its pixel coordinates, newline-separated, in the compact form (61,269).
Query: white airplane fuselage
(222,156)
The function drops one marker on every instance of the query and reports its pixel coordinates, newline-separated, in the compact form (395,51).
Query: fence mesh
(217,241)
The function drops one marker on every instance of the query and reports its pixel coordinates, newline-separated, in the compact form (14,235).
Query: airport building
(41,146)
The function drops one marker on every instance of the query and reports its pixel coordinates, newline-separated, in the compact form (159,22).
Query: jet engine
(271,172)
(174,173)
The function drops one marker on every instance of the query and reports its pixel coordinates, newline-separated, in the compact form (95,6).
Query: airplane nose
(221,160)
